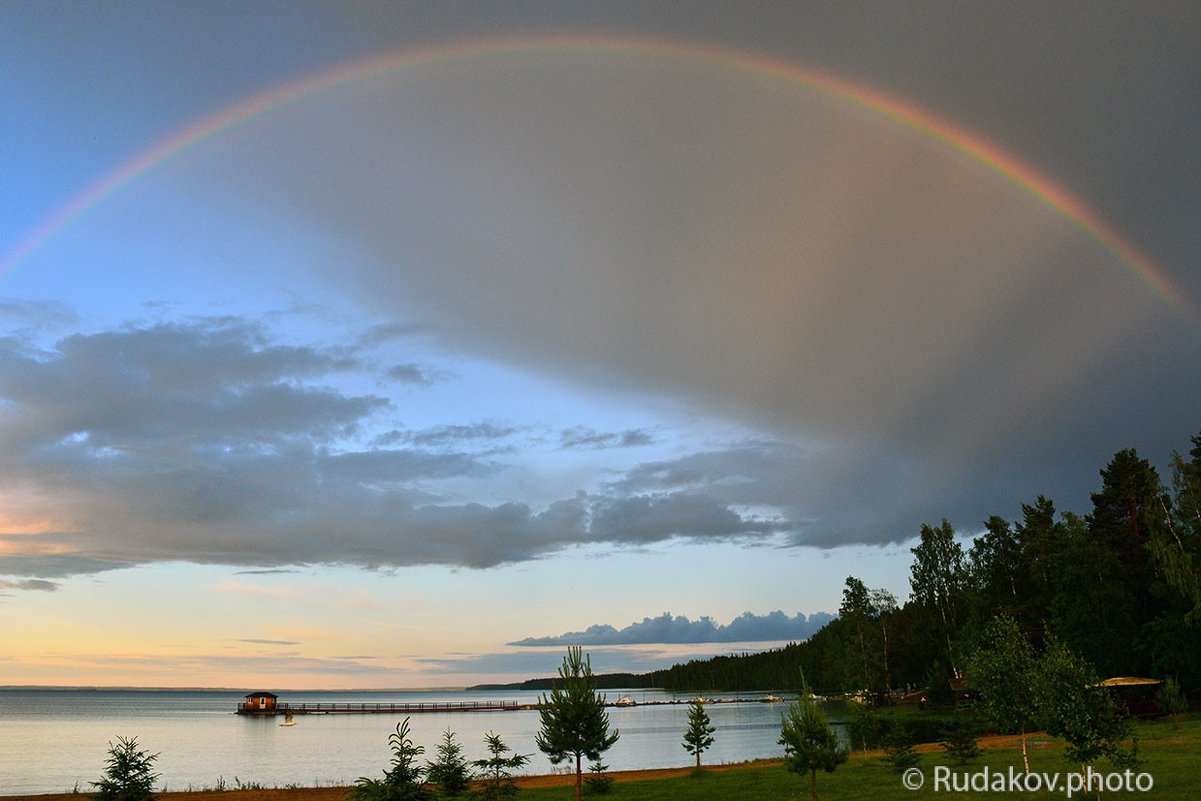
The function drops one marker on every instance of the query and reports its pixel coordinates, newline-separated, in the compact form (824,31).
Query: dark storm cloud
(653,518)
(747,627)
(944,345)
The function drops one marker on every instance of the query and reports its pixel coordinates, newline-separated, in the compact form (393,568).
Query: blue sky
(574,317)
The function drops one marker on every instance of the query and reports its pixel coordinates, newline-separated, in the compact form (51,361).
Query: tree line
(1120,586)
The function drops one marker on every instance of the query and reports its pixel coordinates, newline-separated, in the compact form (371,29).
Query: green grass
(1170,754)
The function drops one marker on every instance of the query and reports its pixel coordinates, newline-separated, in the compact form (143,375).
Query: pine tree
(574,721)
(809,743)
(699,736)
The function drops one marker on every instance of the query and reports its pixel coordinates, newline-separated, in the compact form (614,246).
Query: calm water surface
(50,740)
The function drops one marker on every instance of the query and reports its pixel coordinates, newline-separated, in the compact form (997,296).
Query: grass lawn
(1171,755)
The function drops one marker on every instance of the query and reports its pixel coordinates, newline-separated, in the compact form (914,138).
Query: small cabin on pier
(260,702)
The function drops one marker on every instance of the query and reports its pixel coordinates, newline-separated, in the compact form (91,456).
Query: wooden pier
(266,705)
(381,709)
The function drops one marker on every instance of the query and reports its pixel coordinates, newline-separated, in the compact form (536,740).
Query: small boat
(626,700)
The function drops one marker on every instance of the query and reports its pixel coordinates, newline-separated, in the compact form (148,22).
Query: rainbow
(694,56)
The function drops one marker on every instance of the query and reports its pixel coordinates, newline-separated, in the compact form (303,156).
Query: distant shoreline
(240,690)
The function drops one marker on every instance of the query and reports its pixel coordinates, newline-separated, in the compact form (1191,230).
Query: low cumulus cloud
(666,629)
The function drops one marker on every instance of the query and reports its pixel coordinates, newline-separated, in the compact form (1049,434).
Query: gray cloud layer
(778,257)
(747,627)
(941,342)
(206,441)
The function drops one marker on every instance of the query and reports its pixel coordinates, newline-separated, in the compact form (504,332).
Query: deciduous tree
(937,578)
(1003,669)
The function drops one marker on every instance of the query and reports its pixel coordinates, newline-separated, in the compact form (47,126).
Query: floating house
(259,702)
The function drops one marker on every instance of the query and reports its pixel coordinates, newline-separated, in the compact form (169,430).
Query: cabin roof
(1128,681)
(260,694)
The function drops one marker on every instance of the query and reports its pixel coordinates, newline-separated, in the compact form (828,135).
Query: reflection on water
(52,740)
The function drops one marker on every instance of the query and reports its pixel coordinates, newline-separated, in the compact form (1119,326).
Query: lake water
(51,740)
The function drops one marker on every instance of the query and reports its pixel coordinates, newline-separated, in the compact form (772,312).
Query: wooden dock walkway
(382,709)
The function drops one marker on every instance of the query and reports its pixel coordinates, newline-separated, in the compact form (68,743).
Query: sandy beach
(549,780)
(338,793)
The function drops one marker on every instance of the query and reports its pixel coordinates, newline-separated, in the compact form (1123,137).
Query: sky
(364,345)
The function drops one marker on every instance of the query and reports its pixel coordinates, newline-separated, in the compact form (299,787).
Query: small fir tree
(809,743)
(574,721)
(961,742)
(128,774)
(1171,700)
(402,781)
(597,782)
(699,736)
(497,771)
(899,752)
(450,771)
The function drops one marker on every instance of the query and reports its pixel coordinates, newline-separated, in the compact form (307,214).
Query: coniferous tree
(1127,513)
(574,721)
(402,780)
(450,771)
(497,770)
(699,735)
(129,773)
(809,743)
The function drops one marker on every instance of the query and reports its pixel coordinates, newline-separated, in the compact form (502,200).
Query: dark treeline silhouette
(1120,585)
